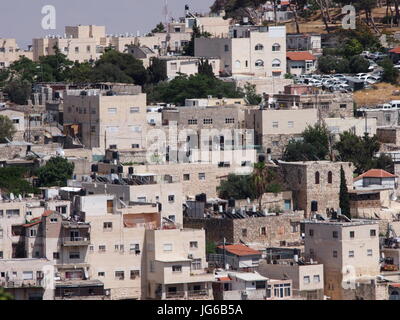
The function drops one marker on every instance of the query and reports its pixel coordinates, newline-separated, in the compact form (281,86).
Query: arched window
(276,47)
(259,63)
(317,177)
(237,64)
(276,63)
(330,177)
(259,47)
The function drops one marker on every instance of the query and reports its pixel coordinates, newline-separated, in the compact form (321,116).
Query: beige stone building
(176,265)
(176,65)
(359,126)
(103,120)
(349,252)
(248,50)
(316,181)
(10,52)
(273,129)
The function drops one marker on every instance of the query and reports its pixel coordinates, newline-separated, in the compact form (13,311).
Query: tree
(188,50)
(344,201)
(384,162)
(7,129)
(183,87)
(5,295)
(358,64)
(260,180)
(56,172)
(157,71)
(206,68)
(351,48)
(159,28)
(80,73)
(331,64)
(18,91)
(24,69)
(251,97)
(236,187)
(314,146)
(12,180)
(390,73)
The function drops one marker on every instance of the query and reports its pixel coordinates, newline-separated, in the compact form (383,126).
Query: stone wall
(277,143)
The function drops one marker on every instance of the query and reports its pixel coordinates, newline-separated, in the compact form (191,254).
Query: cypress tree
(344,201)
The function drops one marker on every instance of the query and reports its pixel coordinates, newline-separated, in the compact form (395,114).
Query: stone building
(272,230)
(316,181)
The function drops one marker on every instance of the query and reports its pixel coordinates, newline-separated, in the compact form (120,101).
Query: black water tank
(261,158)
(314,206)
(130,170)
(95,168)
(120,169)
(231,203)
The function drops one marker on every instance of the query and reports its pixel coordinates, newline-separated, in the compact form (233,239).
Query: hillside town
(248,153)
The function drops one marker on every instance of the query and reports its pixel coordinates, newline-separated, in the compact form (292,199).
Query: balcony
(76,241)
(21,284)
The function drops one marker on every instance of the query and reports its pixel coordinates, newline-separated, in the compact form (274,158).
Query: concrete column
(163,292)
(185,289)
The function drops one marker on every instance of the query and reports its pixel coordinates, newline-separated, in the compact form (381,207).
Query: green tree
(80,73)
(314,145)
(18,91)
(251,96)
(7,129)
(159,28)
(344,201)
(351,48)
(332,64)
(24,69)
(12,180)
(188,50)
(5,295)
(237,187)
(157,71)
(358,64)
(54,67)
(56,172)
(390,73)
(206,68)
(260,178)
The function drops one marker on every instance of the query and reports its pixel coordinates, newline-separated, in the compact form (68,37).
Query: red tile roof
(48,212)
(395,50)
(224,279)
(375,173)
(240,250)
(32,222)
(300,56)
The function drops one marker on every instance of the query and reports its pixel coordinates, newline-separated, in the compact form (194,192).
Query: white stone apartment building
(248,50)
(10,52)
(106,120)
(349,252)
(176,265)
(176,65)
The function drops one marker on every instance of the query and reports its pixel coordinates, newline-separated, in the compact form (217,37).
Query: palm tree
(260,180)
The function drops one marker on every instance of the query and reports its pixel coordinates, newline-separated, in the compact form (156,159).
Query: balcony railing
(198,293)
(21,283)
(190,294)
(76,241)
(175,295)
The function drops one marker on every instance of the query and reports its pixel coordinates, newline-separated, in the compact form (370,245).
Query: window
(352,234)
(102,248)
(192,121)
(88,49)
(351,254)
(171,198)
(317,279)
(335,234)
(174,66)
(1,233)
(229,120)
(107,226)
(226,48)
(91,248)
(317,177)
(196,264)
(244,232)
(275,124)
(76,49)
(172,218)
(27,275)
(330,177)
(311,232)
(136,128)
(202,176)
(134,110)
(32,232)
(186,177)
(343,106)
(53,220)
(74,255)
(56,255)
(1,254)
(112,110)
(259,63)
(263,231)
(276,47)
(113,146)
(194,244)
(135,146)
(207,121)
(135,274)
(168,247)
(101,274)
(372,233)
(334,253)
(176,268)
(119,275)
(276,63)
(306,279)
(259,47)
(369,252)
(290,124)
(134,248)
(12,212)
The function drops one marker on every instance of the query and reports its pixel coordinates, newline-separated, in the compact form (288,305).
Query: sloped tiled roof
(240,250)
(300,56)
(375,173)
